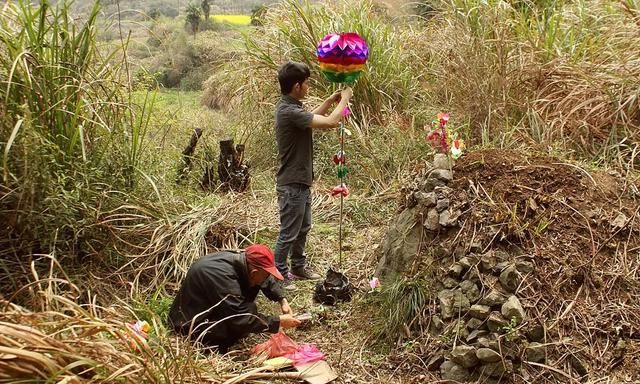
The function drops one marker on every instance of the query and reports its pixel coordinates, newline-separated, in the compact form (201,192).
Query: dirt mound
(581,227)
(533,255)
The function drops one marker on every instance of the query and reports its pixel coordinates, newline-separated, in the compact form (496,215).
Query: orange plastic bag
(278,345)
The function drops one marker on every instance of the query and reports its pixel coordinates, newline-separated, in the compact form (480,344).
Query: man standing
(295,151)
(215,304)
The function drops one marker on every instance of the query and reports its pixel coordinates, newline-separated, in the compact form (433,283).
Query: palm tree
(193,14)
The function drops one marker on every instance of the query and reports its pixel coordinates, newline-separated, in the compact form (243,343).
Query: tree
(206,9)
(193,14)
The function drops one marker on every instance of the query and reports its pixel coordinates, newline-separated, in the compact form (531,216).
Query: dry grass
(88,342)
(542,79)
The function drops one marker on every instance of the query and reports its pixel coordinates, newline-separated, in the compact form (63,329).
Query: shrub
(71,133)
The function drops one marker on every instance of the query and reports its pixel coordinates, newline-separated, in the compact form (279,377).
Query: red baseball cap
(260,256)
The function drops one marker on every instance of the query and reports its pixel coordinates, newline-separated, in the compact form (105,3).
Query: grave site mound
(532,264)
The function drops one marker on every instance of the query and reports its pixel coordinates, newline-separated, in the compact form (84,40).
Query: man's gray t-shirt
(295,142)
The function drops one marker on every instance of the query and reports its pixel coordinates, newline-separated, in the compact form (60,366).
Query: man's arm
(273,290)
(333,120)
(323,108)
(243,317)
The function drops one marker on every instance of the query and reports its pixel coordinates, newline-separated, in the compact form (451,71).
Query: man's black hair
(290,74)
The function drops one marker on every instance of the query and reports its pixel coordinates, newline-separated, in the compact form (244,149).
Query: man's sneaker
(288,283)
(303,274)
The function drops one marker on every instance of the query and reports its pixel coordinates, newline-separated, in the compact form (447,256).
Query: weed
(400,304)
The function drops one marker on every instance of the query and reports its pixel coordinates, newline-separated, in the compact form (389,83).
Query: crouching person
(216,302)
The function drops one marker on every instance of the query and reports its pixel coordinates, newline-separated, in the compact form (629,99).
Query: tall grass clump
(544,74)
(401,304)
(70,134)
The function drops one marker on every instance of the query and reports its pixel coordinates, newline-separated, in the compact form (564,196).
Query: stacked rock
(432,196)
(481,320)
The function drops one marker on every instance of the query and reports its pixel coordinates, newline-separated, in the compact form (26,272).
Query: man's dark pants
(294,202)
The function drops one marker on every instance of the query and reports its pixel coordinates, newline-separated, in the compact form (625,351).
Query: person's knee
(288,237)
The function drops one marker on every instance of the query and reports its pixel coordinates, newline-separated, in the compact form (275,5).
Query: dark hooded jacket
(215,304)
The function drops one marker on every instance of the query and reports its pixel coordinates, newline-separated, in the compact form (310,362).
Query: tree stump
(233,172)
(187,155)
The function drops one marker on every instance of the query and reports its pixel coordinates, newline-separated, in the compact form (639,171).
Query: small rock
(436,361)
(524,267)
(441,174)
(474,324)
(534,332)
(425,199)
(452,303)
(497,369)
(536,352)
(579,365)
(500,267)
(619,350)
(501,255)
(441,205)
(459,329)
(513,309)
(479,311)
(470,290)
(488,355)
(487,342)
(475,247)
(443,192)
(510,278)
(493,298)
(466,263)
(619,222)
(465,356)
(472,274)
(496,322)
(488,261)
(432,222)
(441,161)
(452,371)
(450,283)
(476,334)
(455,270)
(449,219)
(430,184)
(436,325)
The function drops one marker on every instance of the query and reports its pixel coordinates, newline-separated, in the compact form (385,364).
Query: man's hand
(346,93)
(335,97)
(284,305)
(288,321)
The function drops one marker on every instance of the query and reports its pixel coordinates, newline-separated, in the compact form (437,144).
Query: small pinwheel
(342,56)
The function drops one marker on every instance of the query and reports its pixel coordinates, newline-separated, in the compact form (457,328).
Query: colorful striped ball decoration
(342,56)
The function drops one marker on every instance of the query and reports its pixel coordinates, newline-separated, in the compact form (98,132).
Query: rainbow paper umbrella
(342,56)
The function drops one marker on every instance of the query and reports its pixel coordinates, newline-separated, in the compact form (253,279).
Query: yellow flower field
(233,19)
